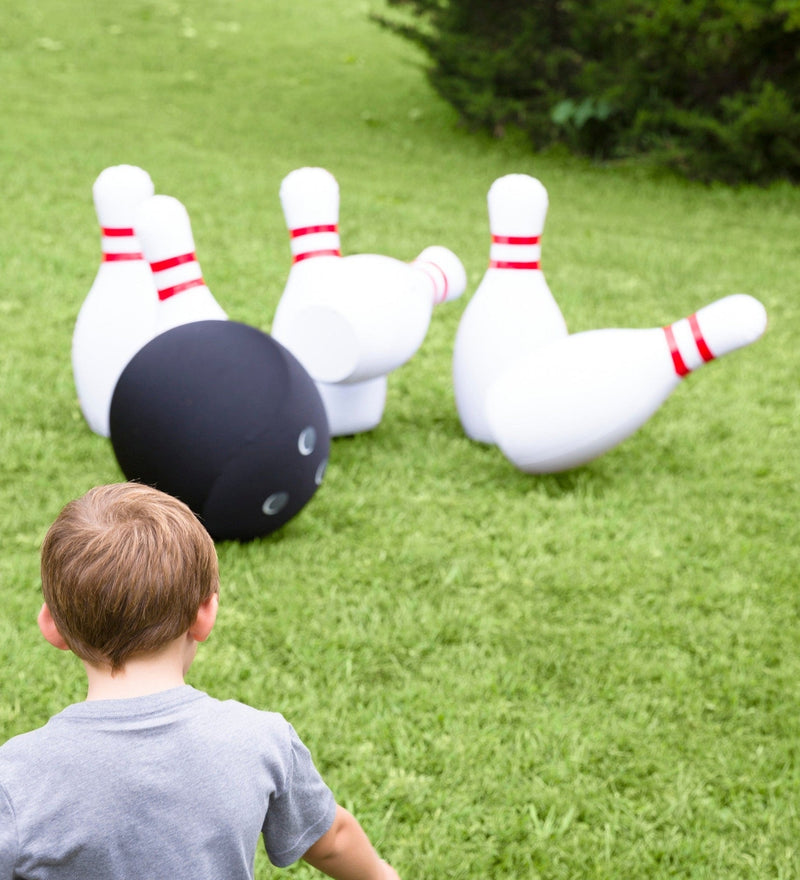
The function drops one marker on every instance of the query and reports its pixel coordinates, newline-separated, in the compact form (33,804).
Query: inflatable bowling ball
(223,417)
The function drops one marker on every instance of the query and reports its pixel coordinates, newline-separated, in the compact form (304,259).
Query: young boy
(150,778)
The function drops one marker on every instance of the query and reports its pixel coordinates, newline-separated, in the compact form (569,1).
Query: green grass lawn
(587,675)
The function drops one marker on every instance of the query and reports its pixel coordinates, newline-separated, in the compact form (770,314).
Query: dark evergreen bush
(711,87)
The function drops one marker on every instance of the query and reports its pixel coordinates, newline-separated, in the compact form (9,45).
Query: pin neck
(438,278)
(169,263)
(116,232)
(702,345)
(119,257)
(516,239)
(167,292)
(510,264)
(312,230)
(515,252)
(678,362)
(329,233)
(327,252)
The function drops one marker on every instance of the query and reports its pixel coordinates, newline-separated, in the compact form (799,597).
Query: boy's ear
(206,618)
(49,629)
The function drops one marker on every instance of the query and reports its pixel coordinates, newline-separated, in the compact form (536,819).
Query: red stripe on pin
(516,239)
(171,262)
(116,231)
(333,252)
(167,292)
(429,268)
(113,258)
(310,230)
(677,361)
(702,345)
(506,264)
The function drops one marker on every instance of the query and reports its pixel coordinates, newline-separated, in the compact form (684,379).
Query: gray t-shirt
(163,787)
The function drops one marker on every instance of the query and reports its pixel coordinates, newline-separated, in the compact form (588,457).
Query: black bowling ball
(225,418)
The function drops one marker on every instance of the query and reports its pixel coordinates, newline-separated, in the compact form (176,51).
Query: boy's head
(125,569)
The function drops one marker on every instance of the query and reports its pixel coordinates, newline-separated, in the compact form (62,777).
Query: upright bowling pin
(566,403)
(310,201)
(163,227)
(118,315)
(512,311)
(352,320)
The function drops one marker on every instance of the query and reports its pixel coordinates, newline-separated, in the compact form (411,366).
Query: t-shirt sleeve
(302,812)
(8,838)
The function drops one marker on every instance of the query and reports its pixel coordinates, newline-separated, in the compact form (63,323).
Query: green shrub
(712,88)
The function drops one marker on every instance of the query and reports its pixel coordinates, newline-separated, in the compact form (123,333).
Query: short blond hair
(125,569)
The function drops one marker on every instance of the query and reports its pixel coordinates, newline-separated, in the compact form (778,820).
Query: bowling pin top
(310,201)
(164,230)
(445,271)
(517,210)
(714,330)
(117,192)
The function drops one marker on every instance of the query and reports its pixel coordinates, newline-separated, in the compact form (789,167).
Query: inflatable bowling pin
(512,310)
(348,319)
(164,230)
(352,320)
(310,201)
(348,402)
(375,314)
(566,403)
(118,315)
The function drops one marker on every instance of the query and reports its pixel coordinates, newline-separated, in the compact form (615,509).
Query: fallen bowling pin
(375,314)
(164,230)
(512,310)
(118,315)
(571,401)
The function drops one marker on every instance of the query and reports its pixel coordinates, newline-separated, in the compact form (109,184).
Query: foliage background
(709,88)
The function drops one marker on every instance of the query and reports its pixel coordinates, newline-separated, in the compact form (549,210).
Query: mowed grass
(585,675)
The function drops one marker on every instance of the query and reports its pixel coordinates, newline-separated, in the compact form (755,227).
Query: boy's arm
(345,853)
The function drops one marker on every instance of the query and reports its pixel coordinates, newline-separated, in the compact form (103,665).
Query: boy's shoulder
(177,712)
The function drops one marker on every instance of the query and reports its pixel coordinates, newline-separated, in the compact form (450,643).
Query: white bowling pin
(374,316)
(352,320)
(310,201)
(512,310)
(566,403)
(355,406)
(165,232)
(118,315)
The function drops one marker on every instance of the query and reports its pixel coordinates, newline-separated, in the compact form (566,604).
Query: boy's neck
(147,674)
